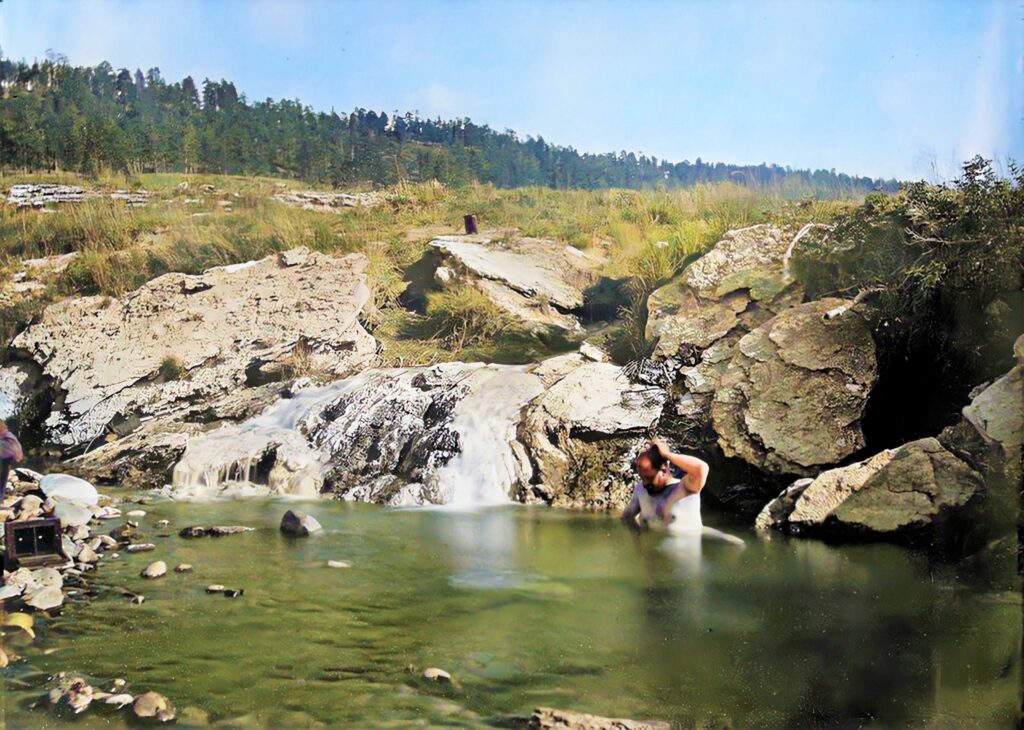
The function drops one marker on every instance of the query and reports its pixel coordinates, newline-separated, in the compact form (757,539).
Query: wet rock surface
(299,524)
(547,718)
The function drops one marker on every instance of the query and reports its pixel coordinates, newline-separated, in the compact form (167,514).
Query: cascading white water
(484,471)
(226,459)
(292,445)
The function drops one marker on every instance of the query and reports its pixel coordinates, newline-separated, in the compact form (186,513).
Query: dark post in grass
(470,221)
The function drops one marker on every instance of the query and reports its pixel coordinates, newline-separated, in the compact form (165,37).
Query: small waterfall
(227,461)
(290,446)
(483,473)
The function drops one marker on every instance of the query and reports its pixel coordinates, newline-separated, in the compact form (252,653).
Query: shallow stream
(530,607)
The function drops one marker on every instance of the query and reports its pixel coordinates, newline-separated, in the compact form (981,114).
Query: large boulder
(696,320)
(792,396)
(895,491)
(180,341)
(582,432)
(992,428)
(540,281)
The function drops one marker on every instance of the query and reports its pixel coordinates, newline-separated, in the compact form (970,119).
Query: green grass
(643,237)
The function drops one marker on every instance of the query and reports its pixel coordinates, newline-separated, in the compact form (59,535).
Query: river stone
(791,399)
(183,568)
(215,588)
(10,591)
(338,564)
(437,675)
(298,524)
(155,570)
(894,491)
(47,578)
(45,599)
(546,718)
(109,358)
(136,513)
(72,514)
(192,532)
(68,488)
(119,700)
(141,547)
(221,530)
(151,704)
(29,506)
(87,555)
(540,281)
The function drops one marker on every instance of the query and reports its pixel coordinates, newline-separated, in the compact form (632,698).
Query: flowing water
(532,607)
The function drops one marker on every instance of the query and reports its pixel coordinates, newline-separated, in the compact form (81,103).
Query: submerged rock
(299,524)
(45,599)
(897,490)
(173,345)
(546,718)
(152,704)
(155,570)
(792,396)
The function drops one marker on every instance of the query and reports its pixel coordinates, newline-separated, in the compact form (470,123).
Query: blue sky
(901,89)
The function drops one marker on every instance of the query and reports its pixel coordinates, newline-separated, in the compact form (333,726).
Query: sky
(886,89)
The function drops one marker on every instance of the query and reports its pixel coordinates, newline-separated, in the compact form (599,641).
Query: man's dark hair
(653,455)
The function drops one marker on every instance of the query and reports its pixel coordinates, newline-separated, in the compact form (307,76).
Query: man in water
(10,452)
(659,498)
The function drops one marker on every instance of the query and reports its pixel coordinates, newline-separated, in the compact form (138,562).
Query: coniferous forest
(56,116)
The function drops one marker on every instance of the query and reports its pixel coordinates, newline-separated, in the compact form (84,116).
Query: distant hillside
(57,116)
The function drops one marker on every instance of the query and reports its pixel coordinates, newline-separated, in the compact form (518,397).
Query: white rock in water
(299,524)
(10,591)
(47,578)
(155,570)
(437,675)
(30,504)
(136,513)
(183,568)
(119,700)
(45,599)
(67,487)
(155,705)
(214,588)
(72,514)
(338,564)
(141,547)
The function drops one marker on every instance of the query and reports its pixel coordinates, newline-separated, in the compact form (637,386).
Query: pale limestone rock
(180,341)
(896,490)
(540,281)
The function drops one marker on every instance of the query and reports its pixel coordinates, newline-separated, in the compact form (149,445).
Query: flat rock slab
(182,340)
(546,718)
(538,280)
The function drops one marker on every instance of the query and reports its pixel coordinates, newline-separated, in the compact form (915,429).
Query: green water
(528,607)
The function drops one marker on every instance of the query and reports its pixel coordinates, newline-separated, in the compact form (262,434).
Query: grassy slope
(120,248)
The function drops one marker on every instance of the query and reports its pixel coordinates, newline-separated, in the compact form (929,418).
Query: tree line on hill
(55,116)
